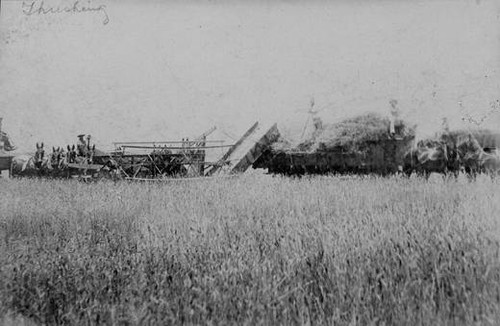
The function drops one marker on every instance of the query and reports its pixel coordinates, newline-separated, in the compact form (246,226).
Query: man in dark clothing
(81,146)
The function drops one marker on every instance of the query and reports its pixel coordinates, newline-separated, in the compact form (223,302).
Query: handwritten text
(39,7)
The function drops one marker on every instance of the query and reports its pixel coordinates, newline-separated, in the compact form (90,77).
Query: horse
(427,157)
(58,161)
(451,153)
(474,159)
(28,165)
(73,156)
(490,163)
(470,154)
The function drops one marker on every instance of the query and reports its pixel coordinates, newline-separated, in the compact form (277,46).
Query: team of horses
(52,164)
(452,154)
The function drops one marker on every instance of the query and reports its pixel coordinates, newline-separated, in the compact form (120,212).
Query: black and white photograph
(239,162)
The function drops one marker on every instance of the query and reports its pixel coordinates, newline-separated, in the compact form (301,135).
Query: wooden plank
(165,142)
(85,166)
(206,134)
(143,155)
(232,149)
(176,147)
(173,179)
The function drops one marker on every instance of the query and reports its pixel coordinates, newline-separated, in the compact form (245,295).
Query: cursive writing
(39,7)
(495,106)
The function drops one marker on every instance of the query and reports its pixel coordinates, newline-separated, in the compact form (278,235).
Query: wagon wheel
(117,166)
(142,170)
(189,164)
(175,167)
(155,166)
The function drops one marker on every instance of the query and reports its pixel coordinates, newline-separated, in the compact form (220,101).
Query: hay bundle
(355,134)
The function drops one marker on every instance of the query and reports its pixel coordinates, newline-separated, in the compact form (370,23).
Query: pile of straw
(355,133)
(351,135)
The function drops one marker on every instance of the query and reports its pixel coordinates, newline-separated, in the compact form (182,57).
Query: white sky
(167,70)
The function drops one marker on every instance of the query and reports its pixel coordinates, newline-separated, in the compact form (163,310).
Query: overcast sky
(167,70)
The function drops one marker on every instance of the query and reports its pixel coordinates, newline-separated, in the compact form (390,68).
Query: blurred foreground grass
(251,250)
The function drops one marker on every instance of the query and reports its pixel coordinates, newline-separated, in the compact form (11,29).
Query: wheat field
(253,249)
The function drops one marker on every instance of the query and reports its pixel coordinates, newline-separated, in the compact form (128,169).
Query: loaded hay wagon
(364,144)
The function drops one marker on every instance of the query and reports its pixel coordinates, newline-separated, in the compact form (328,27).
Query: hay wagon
(362,145)
(379,157)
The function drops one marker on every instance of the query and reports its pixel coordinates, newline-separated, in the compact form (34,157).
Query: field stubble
(251,250)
